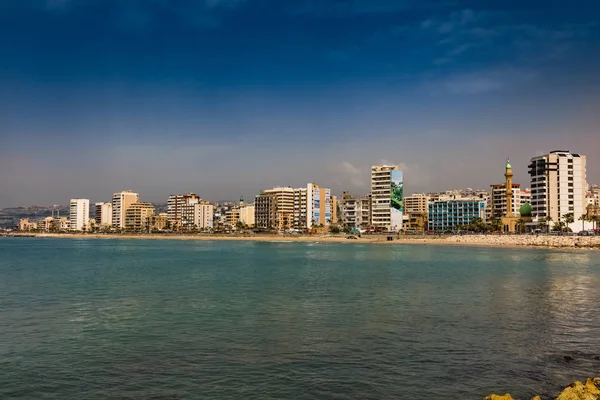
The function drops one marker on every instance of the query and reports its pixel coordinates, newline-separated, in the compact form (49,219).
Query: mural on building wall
(397,200)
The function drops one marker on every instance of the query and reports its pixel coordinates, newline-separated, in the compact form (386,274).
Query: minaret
(509,189)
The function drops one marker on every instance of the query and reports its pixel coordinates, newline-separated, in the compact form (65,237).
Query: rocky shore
(590,390)
(584,242)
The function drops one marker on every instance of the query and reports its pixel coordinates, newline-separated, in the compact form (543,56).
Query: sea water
(170,319)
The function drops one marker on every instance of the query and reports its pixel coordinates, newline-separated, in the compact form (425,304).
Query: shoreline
(506,241)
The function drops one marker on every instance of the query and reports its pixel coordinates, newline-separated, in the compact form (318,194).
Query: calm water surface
(137,319)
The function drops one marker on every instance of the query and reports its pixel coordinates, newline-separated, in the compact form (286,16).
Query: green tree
(334,229)
(520,225)
(584,218)
(569,218)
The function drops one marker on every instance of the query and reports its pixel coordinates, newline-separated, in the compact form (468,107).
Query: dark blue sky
(226,97)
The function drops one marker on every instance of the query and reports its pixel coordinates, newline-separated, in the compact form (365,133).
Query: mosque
(510,221)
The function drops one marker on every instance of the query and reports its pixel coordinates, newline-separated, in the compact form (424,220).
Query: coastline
(513,241)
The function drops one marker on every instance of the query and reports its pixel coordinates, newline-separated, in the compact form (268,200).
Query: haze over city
(228,97)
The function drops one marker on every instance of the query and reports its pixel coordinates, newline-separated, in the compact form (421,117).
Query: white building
(79,214)
(386,213)
(247,214)
(558,187)
(120,203)
(204,215)
(103,214)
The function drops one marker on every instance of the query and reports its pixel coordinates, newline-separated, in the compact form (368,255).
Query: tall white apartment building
(386,197)
(203,217)
(120,203)
(558,186)
(103,214)
(79,214)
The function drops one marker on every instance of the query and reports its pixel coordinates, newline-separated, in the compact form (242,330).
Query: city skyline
(226,98)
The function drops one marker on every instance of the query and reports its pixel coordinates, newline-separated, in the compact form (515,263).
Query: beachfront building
(79,214)
(103,215)
(416,204)
(355,211)
(318,206)
(204,215)
(25,225)
(445,215)
(178,208)
(120,203)
(247,214)
(137,217)
(158,222)
(274,208)
(386,197)
(558,187)
(232,217)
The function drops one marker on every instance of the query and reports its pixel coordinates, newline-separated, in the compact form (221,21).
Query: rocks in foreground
(590,390)
(582,242)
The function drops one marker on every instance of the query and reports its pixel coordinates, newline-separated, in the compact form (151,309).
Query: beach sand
(563,242)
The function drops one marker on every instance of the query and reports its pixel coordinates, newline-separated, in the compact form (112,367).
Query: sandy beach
(542,241)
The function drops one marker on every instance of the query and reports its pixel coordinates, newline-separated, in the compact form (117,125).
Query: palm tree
(583,218)
(520,225)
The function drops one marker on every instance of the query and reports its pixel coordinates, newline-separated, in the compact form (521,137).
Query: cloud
(481,82)
(347,173)
(453,21)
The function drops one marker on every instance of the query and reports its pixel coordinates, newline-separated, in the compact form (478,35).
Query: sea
(175,319)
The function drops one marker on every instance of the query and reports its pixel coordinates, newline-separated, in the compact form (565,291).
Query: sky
(227,97)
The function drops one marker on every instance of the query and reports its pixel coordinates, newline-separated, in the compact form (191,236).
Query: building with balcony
(79,214)
(247,215)
(445,215)
(386,197)
(274,208)
(103,214)
(558,187)
(120,203)
(138,217)
(416,204)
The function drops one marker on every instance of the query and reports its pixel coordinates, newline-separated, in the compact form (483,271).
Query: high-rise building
(176,203)
(79,214)
(386,197)
(498,199)
(275,208)
(138,217)
(103,214)
(204,215)
(334,210)
(318,206)
(120,203)
(558,187)
(355,211)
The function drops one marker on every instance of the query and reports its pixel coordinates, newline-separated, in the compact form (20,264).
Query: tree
(583,218)
(569,218)
(520,225)
(496,225)
(334,229)
(240,226)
